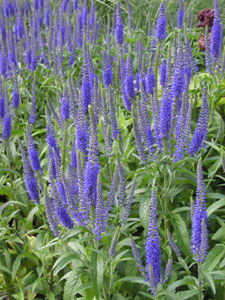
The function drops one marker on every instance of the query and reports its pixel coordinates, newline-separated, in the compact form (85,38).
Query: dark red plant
(201,41)
(206,17)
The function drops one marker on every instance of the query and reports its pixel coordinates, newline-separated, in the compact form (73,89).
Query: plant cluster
(110,131)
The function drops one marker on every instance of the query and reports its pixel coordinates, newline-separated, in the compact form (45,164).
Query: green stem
(9,154)
(165,143)
(111,276)
(51,283)
(165,175)
(199,282)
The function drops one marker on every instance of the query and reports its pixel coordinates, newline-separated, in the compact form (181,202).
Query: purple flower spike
(163,73)
(217,34)
(161,23)
(33,153)
(199,245)
(150,81)
(137,258)
(2,101)
(203,250)
(129,203)
(129,80)
(3,60)
(200,133)
(73,163)
(75,4)
(92,14)
(174,246)
(122,184)
(90,180)
(84,13)
(7,125)
(33,112)
(115,129)
(180,17)
(65,108)
(86,84)
(64,217)
(208,55)
(81,130)
(15,94)
(165,114)
(168,269)
(36,4)
(92,166)
(179,78)
(152,246)
(30,181)
(107,70)
(119,25)
(7,118)
(51,215)
(64,5)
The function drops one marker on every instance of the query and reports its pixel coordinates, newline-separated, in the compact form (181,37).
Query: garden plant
(112,154)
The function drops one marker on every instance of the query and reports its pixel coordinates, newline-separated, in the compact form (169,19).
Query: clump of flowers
(205,17)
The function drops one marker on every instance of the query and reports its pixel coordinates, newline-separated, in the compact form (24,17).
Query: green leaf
(220,234)
(76,247)
(221,101)
(53,242)
(210,281)
(214,257)
(214,146)
(70,286)
(63,261)
(144,213)
(181,282)
(97,269)
(32,213)
(119,297)
(50,296)
(215,206)
(19,296)
(118,257)
(3,207)
(5,269)
(36,284)
(83,287)
(148,295)
(7,191)
(181,234)
(222,263)
(133,279)
(7,170)
(73,286)
(16,266)
(140,191)
(186,294)
(215,167)
(218,275)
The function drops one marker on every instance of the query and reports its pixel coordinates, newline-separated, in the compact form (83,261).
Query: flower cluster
(84,119)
